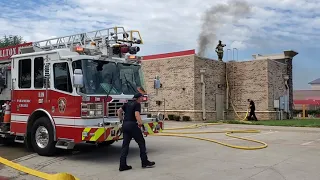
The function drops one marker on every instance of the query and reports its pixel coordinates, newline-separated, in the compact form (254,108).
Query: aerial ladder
(111,42)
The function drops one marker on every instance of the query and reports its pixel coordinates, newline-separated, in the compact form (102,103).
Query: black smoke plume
(213,19)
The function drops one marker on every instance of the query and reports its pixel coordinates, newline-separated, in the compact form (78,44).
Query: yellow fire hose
(59,176)
(66,176)
(227,133)
(234,109)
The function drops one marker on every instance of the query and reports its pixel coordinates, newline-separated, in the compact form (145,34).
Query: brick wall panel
(214,75)
(276,85)
(260,80)
(175,74)
(248,79)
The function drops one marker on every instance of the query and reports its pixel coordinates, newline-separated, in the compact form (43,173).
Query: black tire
(50,148)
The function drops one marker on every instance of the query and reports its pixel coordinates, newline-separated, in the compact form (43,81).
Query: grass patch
(289,122)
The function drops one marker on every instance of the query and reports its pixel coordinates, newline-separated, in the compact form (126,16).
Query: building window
(24,73)
(38,72)
(61,76)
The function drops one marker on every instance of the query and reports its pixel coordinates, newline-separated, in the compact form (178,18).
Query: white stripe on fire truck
(19,118)
(77,122)
(66,121)
(66,117)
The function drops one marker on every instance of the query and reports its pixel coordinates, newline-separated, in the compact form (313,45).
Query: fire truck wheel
(42,137)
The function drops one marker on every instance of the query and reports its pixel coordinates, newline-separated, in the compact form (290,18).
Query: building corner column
(290,84)
(288,59)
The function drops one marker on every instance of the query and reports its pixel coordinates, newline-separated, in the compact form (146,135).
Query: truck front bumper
(114,132)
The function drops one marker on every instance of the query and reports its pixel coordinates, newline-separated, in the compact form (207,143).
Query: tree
(11,40)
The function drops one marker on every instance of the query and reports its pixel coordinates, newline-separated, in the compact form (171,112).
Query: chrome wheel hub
(42,137)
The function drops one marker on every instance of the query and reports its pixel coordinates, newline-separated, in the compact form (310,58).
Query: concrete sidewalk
(290,155)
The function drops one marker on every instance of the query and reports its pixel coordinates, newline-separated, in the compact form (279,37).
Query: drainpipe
(227,88)
(203,94)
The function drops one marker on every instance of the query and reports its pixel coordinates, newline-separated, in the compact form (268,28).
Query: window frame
(19,74)
(69,76)
(34,76)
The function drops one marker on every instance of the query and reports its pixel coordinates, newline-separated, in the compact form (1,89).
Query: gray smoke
(213,19)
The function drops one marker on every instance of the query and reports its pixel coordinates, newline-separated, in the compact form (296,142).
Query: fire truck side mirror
(78,78)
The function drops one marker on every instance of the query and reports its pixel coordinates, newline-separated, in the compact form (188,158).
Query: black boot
(124,168)
(148,164)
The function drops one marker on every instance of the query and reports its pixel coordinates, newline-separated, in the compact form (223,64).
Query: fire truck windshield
(100,76)
(130,76)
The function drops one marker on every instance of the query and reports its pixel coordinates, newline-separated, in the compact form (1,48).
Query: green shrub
(185,118)
(171,116)
(177,118)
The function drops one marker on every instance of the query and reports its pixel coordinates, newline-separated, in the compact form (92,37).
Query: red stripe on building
(168,55)
(7,52)
(307,102)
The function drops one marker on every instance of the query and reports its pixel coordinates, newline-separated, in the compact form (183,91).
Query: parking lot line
(310,142)
(254,135)
(306,143)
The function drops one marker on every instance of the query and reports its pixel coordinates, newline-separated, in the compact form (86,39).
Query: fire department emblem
(62,102)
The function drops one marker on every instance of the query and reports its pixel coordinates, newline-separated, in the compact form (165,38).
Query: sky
(174,25)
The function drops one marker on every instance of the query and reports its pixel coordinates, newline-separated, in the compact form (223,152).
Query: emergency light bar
(79,49)
(133,58)
(145,98)
(86,51)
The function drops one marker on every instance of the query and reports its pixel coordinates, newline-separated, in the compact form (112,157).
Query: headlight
(160,116)
(91,113)
(98,112)
(91,110)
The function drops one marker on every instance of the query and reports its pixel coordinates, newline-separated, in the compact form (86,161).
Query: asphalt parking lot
(292,154)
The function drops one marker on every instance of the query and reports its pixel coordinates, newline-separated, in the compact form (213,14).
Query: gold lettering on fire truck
(62,103)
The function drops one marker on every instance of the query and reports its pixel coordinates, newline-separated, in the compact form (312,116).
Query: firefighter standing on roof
(131,130)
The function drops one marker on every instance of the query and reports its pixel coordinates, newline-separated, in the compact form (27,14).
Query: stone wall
(260,79)
(247,80)
(177,79)
(213,76)
(276,84)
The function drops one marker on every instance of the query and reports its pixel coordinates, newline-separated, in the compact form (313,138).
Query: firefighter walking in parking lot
(131,130)
(252,110)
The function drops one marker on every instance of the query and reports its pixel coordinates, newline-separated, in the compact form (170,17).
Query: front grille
(113,107)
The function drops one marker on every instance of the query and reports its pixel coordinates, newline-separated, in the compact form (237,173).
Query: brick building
(261,79)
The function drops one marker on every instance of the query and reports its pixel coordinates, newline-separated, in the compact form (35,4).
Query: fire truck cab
(67,90)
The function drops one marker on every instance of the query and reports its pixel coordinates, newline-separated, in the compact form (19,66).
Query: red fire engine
(64,91)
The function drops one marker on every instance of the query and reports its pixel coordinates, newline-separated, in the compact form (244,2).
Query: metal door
(219,106)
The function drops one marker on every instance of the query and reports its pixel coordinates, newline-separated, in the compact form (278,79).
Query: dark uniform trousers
(131,130)
(252,114)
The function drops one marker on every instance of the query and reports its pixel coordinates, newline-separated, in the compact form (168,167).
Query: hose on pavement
(36,173)
(227,133)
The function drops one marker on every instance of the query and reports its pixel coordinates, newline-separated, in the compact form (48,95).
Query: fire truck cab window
(24,73)
(61,76)
(38,72)
(99,77)
(131,78)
